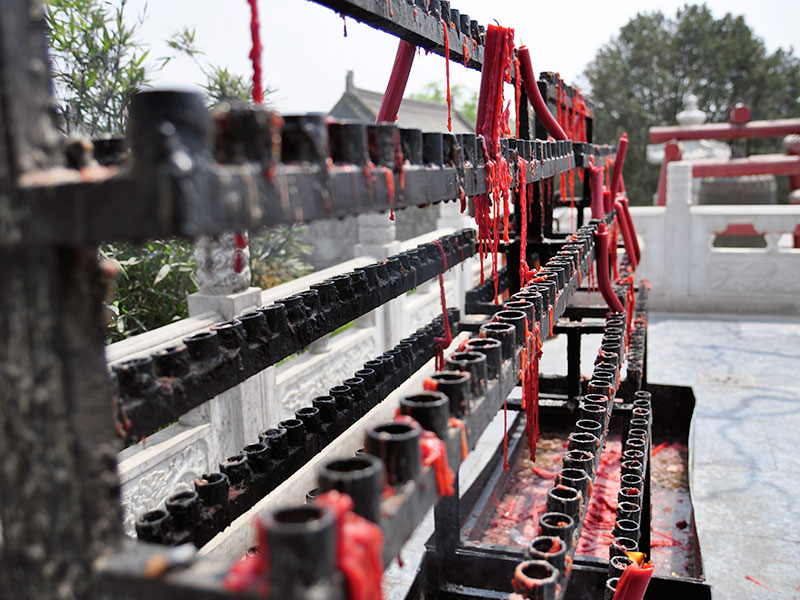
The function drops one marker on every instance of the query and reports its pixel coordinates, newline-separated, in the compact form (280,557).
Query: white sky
(306,55)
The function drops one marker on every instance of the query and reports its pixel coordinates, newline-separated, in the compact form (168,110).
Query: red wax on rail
(255,52)
(359,548)
(393,95)
(627,235)
(596,185)
(434,452)
(535,96)
(616,178)
(627,212)
(603,277)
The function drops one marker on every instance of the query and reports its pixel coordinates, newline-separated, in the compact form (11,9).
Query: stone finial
(349,86)
(691,114)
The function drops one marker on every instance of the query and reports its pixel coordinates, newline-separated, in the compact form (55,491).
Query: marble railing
(689,274)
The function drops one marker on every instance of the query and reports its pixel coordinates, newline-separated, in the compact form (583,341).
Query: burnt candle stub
(278,441)
(295,431)
(548,548)
(397,445)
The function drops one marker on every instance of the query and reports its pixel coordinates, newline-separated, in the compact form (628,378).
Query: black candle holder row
(219,498)
(155,390)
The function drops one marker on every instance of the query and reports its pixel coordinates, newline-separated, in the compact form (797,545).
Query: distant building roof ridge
(427,115)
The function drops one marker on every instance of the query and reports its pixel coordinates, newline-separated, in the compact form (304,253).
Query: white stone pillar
(377,238)
(223,276)
(677,231)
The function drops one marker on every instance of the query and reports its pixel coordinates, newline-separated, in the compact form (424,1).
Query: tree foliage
(96,64)
(642,76)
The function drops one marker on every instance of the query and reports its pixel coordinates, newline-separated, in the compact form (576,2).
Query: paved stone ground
(744,446)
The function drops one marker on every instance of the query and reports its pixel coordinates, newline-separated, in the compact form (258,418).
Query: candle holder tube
(599,400)
(631,481)
(632,467)
(492,350)
(505,333)
(579,459)
(607,368)
(457,386)
(213,491)
(628,511)
(277,319)
(640,423)
(637,432)
(642,403)
(171,362)
(617,564)
(626,528)
(311,419)
(636,444)
(609,378)
(574,478)
(468,144)
(641,413)
(633,454)
(610,588)
(451,151)
(154,526)
(534,297)
(343,397)
(369,378)
(258,461)
(548,548)
(361,478)
(397,445)
(358,393)
(547,289)
(391,369)
(629,494)
(204,347)
(472,362)
(559,525)
(563,499)
(376,365)
(594,412)
(517,319)
(383,143)
(190,128)
(278,441)
(621,545)
(302,549)
(524,307)
(601,387)
(311,495)
(184,508)
(411,141)
(295,432)
(429,409)
(583,440)
(433,148)
(591,426)
(304,138)
(347,142)
(536,580)
(612,348)
(643,395)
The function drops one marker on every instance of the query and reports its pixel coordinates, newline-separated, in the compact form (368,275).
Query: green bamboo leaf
(162,273)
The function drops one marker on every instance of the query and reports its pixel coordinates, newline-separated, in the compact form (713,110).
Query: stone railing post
(223,276)
(377,237)
(677,231)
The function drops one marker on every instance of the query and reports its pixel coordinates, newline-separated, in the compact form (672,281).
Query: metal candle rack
(184,171)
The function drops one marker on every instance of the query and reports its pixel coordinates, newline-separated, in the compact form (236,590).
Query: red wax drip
(434,452)
(505,436)
(442,343)
(359,547)
(525,272)
(390,191)
(453,422)
(255,52)
(397,83)
(447,71)
(465,51)
(517,93)
(498,54)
